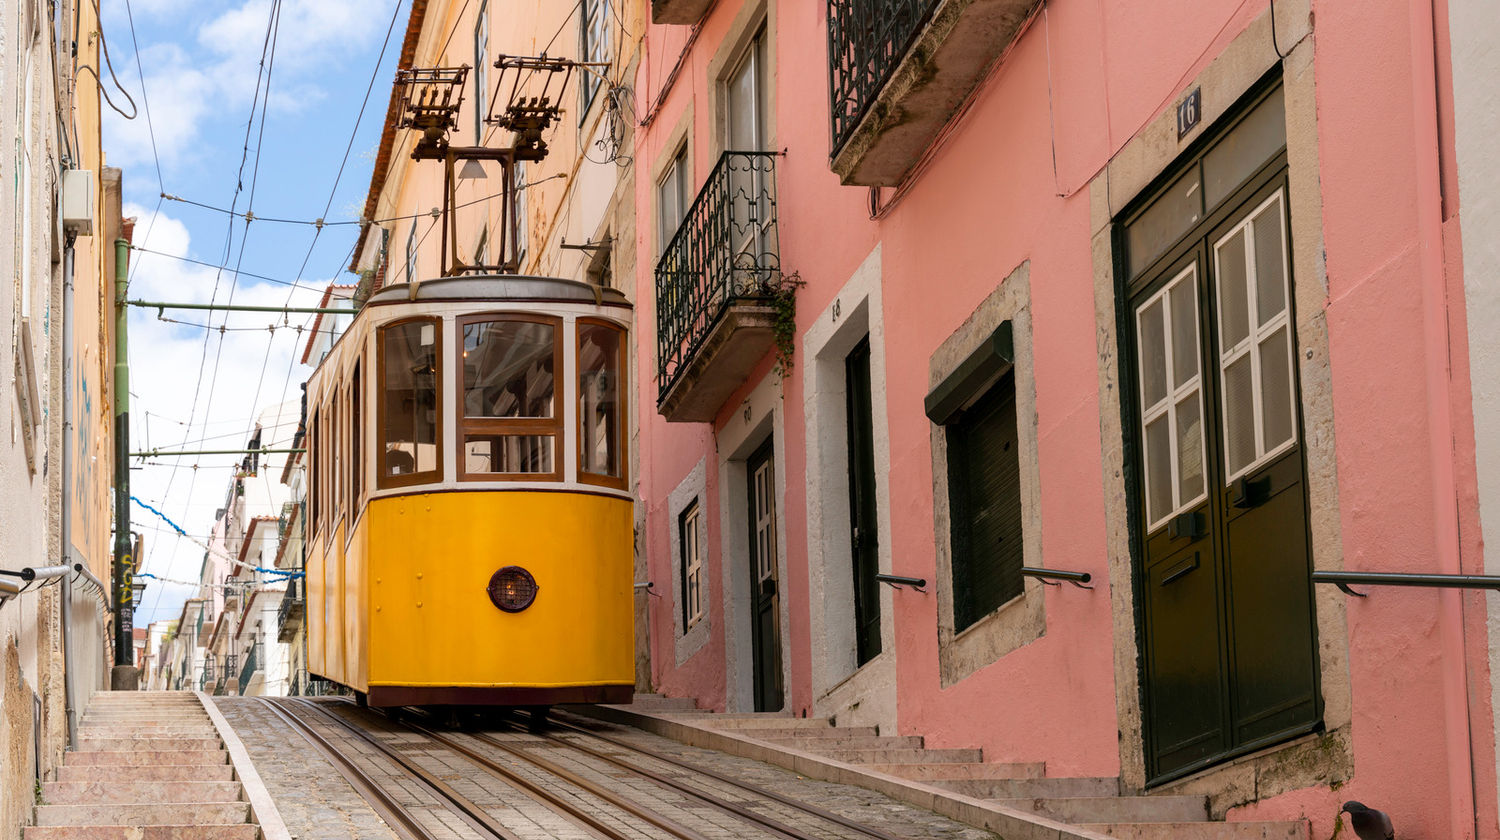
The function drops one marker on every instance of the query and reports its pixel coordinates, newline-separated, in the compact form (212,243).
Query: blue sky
(201,66)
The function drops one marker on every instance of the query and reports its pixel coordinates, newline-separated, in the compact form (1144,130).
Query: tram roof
(501,287)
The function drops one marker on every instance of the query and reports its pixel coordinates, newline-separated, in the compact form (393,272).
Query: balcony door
(747,111)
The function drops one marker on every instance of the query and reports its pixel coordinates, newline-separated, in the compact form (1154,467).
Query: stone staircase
(149,766)
(1096,805)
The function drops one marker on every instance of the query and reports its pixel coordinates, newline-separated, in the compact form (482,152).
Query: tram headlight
(512,589)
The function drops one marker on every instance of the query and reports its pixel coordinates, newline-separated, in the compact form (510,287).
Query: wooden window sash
(514,426)
(382,479)
(621,481)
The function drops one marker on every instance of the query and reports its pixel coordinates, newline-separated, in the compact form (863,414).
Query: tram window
(356,441)
(600,377)
(410,369)
(314,451)
(512,415)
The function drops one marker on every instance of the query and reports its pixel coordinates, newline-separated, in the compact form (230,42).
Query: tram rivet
(419,575)
(419,605)
(377,609)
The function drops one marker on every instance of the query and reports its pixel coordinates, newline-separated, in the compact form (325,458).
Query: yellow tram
(469,516)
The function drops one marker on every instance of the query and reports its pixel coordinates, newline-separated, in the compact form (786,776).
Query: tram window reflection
(599,391)
(409,393)
(510,454)
(509,369)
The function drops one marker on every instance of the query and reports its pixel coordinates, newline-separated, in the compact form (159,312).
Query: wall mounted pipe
(70,656)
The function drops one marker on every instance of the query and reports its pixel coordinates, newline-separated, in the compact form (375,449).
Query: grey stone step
(147,758)
(1114,809)
(96,733)
(851,742)
(810,732)
(158,773)
(1028,788)
(904,756)
(1204,830)
(962,770)
(149,743)
(663,703)
(143,832)
(186,813)
(132,791)
(145,714)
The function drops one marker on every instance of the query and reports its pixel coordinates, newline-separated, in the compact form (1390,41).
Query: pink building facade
(1171,294)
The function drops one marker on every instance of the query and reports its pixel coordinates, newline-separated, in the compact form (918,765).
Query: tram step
(148,758)
(1019,788)
(186,813)
(1114,809)
(1203,830)
(147,743)
(920,772)
(904,756)
(143,832)
(851,742)
(159,773)
(126,792)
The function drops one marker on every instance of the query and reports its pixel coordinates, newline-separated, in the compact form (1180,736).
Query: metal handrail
(1051,576)
(1343,579)
(899,581)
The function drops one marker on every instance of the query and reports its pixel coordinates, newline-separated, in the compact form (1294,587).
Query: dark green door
(863,536)
(1227,620)
(765,613)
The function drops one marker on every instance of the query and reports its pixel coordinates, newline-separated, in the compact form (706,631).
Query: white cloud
(256,369)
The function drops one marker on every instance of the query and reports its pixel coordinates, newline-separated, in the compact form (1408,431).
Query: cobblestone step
(143,832)
(147,743)
(1203,830)
(158,773)
(117,791)
(1114,809)
(1019,788)
(903,756)
(187,813)
(919,772)
(148,758)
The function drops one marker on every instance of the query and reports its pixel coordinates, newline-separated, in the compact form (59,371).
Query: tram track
(472,746)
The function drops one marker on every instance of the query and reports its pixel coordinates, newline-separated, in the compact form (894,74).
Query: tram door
(765,612)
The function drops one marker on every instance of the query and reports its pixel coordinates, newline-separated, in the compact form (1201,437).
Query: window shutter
(985,494)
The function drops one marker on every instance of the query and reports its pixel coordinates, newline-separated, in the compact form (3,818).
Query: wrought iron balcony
(252,664)
(679,11)
(899,69)
(714,288)
(289,615)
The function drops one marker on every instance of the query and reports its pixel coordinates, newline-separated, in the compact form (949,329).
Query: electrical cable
(145,100)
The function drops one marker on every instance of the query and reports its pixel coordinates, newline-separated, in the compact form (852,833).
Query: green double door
(1223,560)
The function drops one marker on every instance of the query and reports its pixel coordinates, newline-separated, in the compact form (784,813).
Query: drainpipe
(70,656)
(121,678)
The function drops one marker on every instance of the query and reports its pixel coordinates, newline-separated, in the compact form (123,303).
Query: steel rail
(671,826)
(464,807)
(748,787)
(395,815)
(706,798)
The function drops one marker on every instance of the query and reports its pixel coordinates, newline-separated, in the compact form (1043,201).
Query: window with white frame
(1171,397)
(518,233)
(672,198)
(411,252)
(691,565)
(593,26)
(481,68)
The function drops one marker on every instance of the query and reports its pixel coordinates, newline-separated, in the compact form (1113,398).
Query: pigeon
(1368,823)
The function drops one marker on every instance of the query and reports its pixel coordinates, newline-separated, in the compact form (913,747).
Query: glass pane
(1276,389)
(1270,264)
(1239,414)
(743,136)
(1184,331)
(599,400)
(1157,229)
(509,454)
(1158,469)
(1153,355)
(1190,482)
(1234,303)
(508,369)
(1253,142)
(410,391)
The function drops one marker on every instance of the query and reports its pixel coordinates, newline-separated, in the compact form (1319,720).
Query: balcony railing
(289,614)
(726,250)
(252,665)
(866,41)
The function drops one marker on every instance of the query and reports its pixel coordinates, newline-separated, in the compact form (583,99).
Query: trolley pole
(124,677)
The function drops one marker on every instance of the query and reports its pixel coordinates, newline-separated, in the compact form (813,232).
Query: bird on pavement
(1368,823)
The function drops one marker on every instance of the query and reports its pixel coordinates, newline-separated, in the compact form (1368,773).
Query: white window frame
(688,523)
(481,68)
(518,187)
(671,186)
(593,36)
(1171,397)
(1254,335)
(411,252)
